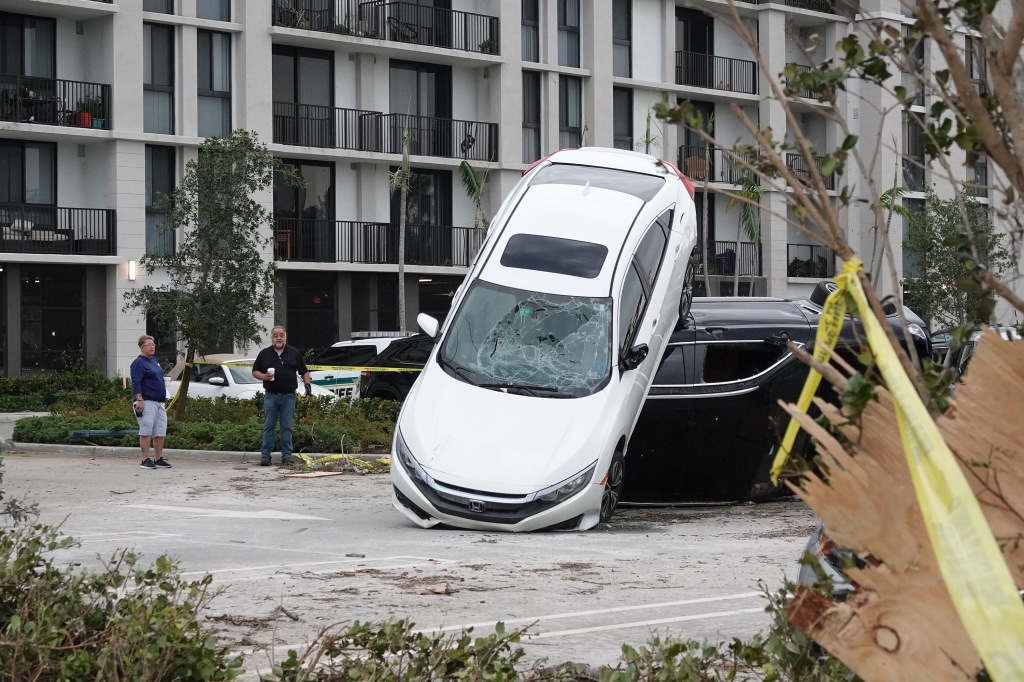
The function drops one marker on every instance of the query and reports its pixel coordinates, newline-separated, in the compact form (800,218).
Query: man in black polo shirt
(278,366)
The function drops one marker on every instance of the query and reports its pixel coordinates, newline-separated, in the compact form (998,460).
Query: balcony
(806,94)
(694,161)
(56,102)
(29,228)
(718,73)
(796,164)
(400,22)
(810,260)
(345,241)
(826,6)
(720,258)
(371,131)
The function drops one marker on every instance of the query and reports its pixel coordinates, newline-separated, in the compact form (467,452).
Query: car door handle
(715,331)
(778,339)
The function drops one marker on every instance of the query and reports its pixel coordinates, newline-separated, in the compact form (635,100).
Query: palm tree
(748,196)
(400,180)
(709,128)
(474,183)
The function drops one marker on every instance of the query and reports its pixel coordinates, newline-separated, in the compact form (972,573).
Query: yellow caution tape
(969,558)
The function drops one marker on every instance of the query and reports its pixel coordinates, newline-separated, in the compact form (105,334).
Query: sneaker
(148,464)
(265,461)
(162,464)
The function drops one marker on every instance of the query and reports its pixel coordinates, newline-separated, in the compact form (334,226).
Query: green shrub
(123,623)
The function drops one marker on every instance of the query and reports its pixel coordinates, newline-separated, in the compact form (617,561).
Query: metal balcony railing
(30,228)
(311,125)
(720,258)
(447,138)
(807,94)
(345,241)
(718,73)
(827,6)
(713,163)
(401,22)
(799,168)
(53,101)
(810,260)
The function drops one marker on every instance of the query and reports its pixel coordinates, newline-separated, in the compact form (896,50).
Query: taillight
(686,180)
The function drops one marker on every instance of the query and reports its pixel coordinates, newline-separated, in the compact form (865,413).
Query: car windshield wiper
(458,371)
(512,386)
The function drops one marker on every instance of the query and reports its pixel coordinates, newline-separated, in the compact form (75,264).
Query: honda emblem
(476,506)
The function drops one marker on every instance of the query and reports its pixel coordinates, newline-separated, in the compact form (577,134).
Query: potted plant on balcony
(90,112)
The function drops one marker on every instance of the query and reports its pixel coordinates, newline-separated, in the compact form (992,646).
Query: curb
(230,456)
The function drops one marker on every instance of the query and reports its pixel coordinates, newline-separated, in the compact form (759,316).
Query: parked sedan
(711,424)
(223,375)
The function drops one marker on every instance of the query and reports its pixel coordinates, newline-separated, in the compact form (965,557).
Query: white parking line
(641,623)
(598,612)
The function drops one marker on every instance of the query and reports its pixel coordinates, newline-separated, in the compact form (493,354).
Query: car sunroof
(642,186)
(554,254)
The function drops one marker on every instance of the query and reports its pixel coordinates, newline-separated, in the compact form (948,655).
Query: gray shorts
(153,421)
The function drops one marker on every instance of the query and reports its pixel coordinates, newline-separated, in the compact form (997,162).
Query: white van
(521,417)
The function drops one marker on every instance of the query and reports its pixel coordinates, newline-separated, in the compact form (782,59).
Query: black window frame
(568,30)
(644,254)
(622,35)
(622,125)
(628,332)
(202,12)
(158,6)
(531,26)
(21,145)
(208,77)
(565,127)
(532,115)
(160,87)
(16,23)
(166,156)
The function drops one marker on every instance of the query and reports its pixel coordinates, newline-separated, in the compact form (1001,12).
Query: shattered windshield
(530,342)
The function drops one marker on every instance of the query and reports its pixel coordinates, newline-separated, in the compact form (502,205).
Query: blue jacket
(148,379)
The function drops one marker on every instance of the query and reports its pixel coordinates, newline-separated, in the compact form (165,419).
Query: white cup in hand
(271,372)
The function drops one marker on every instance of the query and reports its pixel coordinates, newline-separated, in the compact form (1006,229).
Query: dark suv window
(415,353)
(346,356)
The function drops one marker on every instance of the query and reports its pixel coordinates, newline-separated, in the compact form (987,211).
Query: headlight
(915,330)
(408,462)
(568,487)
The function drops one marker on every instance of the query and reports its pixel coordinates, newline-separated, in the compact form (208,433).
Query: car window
(242,374)
(207,372)
(416,352)
(651,250)
(554,254)
(631,307)
(676,365)
(738,361)
(642,186)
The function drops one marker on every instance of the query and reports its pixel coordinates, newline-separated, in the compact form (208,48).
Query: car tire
(822,290)
(686,297)
(613,486)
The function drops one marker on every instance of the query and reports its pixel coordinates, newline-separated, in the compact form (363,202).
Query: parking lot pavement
(299,554)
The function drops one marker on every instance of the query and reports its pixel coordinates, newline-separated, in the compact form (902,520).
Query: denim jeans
(278,406)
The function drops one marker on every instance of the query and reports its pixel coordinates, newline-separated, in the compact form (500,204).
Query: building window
(570,112)
(420,93)
(218,10)
(159,182)
(303,91)
(312,310)
(913,155)
(27,46)
(28,173)
(158,6)
(622,107)
(214,84)
(158,79)
(976,64)
(622,37)
(52,316)
(569,33)
(531,116)
(531,31)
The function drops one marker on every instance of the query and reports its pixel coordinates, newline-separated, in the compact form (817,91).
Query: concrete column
(774,228)
(187,112)
(13,273)
(343,295)
(96,314)
(596,55)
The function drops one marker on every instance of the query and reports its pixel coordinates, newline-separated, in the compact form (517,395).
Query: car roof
(382,358)
(179,367)
(747,311)
(607,157)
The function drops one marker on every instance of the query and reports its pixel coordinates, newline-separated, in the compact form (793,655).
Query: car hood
(492,441)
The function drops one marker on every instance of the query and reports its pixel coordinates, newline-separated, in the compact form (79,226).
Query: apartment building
(102,104)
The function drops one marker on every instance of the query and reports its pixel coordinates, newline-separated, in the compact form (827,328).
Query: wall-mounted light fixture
(131,271)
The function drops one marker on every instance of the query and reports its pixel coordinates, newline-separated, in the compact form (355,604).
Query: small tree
(400,180)
(749,198)
(219,280)
(944,257)
(474,184)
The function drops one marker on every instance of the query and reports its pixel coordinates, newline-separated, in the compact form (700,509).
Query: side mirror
(632,358)
(428,324)
(218,381)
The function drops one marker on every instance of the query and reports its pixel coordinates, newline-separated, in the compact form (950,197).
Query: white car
(344,383)
(521,418)
(224,375)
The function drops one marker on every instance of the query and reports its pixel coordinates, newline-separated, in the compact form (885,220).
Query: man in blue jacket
(150,394)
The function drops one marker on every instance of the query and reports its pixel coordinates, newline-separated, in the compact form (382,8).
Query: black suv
(409,354)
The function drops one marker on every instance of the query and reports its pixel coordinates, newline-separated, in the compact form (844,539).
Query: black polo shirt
(288,365)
